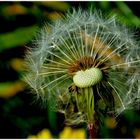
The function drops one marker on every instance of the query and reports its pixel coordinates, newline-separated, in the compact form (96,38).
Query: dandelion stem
(89,97)
(92,131)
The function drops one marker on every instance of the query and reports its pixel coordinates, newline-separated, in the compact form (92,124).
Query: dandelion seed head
(89,49)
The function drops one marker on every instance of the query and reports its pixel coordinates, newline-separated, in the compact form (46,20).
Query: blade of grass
(17,38)
(130,17)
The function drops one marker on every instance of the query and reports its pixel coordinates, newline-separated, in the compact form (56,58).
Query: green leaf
(16,38)
(105,4)
(56,5)
(8,89)
(129,17)
(4,86)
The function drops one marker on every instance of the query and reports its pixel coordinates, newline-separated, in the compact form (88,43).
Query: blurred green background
(20,115)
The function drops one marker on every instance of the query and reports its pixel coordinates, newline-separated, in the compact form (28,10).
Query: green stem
(85,103)
(89,96)
(77,101)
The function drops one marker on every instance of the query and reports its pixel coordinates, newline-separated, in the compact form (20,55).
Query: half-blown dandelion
(85,63)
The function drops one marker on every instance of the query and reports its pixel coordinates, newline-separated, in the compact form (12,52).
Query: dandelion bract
(85,63)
